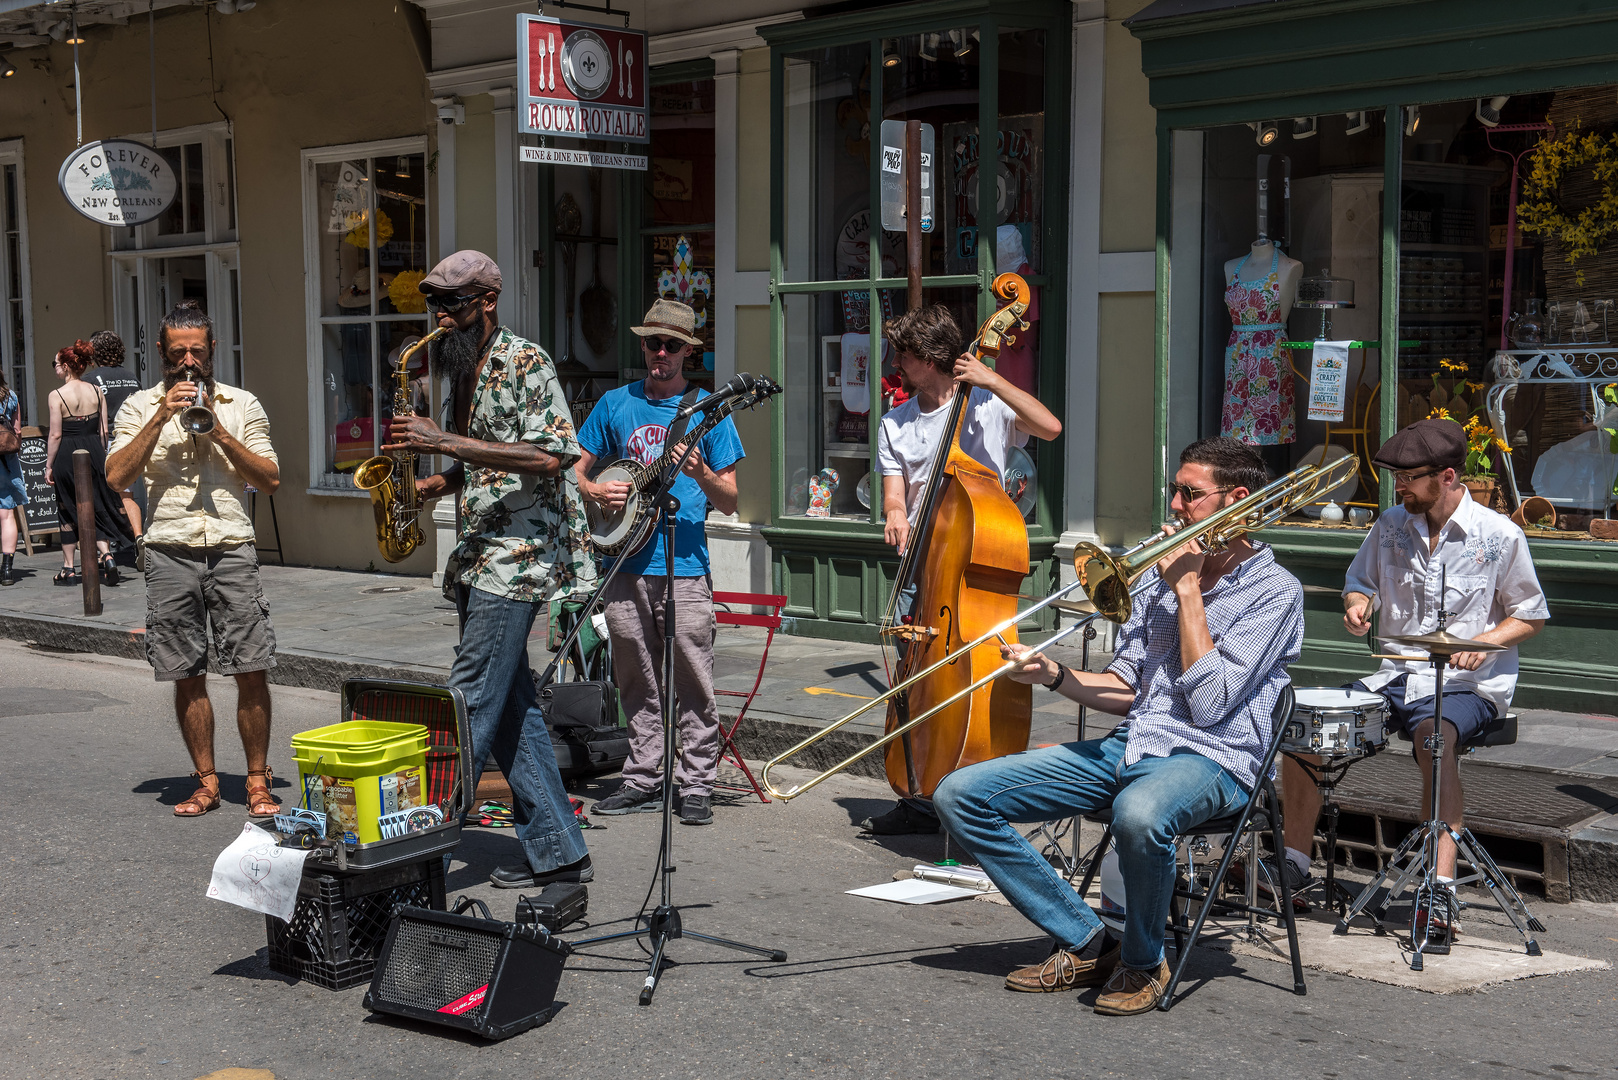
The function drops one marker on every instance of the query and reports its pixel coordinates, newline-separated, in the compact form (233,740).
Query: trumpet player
(202,568)
(1197,670)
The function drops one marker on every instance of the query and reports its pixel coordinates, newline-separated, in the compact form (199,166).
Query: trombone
(1110,584)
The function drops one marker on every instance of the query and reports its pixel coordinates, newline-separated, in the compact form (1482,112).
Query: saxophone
(391,478)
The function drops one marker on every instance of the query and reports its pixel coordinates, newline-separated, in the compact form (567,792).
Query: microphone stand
(665,924)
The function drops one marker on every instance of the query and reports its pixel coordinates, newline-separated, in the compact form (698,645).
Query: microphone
(739,384)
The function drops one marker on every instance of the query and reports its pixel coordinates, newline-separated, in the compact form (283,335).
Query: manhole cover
(389,589)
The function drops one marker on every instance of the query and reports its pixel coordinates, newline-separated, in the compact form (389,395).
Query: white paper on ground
(914,891)
(256,873)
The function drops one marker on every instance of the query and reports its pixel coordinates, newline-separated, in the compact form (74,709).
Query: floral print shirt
(1480,571)
(522,537)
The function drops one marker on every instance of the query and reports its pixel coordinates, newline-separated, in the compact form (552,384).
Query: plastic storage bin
(366,768)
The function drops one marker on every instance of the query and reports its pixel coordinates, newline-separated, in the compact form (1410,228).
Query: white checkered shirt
(1221,707)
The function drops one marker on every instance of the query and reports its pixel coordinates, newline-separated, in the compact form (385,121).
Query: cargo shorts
(194,594)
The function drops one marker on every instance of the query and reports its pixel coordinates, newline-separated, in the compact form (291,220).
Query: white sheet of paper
(1328,381)
(256,873)
(914,891)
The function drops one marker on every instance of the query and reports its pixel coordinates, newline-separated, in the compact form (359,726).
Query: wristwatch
(1061,677)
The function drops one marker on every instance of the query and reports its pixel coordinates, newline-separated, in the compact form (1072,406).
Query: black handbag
(588,734)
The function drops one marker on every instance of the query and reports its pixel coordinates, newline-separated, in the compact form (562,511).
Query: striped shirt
(1220,707)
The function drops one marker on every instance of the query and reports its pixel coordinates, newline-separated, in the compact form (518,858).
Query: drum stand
(1420,848)
(1327,775)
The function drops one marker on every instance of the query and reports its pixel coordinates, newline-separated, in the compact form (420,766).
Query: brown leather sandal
(260,803)
(202,800)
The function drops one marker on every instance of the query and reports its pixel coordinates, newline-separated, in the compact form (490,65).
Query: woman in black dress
(79,422)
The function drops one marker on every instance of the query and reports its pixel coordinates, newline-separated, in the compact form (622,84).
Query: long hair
(76,357)
(186,315)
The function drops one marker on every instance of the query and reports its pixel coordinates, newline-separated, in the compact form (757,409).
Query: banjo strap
(677,432)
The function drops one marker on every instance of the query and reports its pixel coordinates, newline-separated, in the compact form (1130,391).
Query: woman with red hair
(79,422)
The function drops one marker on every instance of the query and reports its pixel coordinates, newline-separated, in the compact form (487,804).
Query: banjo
(631,525)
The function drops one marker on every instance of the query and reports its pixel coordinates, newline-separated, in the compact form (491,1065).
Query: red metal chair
(771,621)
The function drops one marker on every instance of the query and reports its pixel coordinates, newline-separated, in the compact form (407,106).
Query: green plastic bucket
(359,771)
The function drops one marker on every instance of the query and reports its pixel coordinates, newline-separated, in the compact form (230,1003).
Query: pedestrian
(201,564)
(79,422)
(524,542)
(634,421)
(13,489)
(117,383)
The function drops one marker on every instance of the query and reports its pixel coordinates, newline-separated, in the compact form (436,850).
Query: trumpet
(1109,583)
(197,418)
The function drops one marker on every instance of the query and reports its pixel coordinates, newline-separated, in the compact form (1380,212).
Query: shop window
(1259,277)
(365,251)
(13,280)
(840,274)
(1505,312)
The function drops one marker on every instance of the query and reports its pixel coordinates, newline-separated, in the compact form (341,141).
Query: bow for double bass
(966,561)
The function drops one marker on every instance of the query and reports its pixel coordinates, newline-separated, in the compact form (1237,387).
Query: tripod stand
(1420,847)
(664,924)
(1327,774)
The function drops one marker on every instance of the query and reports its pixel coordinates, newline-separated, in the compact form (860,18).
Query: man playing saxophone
(1197,671)
(524,541)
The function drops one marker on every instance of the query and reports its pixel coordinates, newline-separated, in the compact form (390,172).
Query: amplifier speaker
(492,978)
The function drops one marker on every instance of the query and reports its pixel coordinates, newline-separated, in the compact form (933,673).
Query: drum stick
(1400,656)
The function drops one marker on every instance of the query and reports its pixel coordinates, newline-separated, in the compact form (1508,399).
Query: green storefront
(953,65)
(1382,146)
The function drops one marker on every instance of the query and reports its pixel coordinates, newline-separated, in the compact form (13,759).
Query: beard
(455,355)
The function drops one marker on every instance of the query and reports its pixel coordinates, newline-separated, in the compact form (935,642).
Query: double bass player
(933,367)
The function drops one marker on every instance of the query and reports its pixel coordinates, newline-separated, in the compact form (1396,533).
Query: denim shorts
(1463,708)
(192,591)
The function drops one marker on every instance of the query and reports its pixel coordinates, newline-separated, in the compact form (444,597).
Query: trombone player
(1197,671)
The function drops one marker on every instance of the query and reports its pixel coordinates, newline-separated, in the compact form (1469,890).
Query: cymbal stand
(1420,848)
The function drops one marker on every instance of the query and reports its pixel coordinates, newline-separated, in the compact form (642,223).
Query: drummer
(1492,594)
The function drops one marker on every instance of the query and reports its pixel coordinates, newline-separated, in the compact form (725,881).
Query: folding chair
(1243,826)
(772,622)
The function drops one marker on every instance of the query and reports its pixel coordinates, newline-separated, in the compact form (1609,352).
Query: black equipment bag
(587,730)
(559,904)
(492,978)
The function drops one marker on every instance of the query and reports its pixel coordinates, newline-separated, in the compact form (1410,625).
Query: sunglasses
(180,352)
(664,345)
(449,305)
(1191,494)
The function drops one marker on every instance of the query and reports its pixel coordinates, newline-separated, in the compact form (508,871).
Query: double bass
(966,561)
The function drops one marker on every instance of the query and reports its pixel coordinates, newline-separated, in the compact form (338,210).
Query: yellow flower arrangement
(1473,385)
(1542,211)
(1440,414)
(405,292)
(360,234)
(1448,365)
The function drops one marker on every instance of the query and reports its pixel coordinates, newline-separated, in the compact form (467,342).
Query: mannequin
(1260,288)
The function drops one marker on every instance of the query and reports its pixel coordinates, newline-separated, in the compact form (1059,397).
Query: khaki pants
(635,621)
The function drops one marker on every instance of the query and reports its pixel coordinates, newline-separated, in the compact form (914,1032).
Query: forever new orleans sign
(118,182)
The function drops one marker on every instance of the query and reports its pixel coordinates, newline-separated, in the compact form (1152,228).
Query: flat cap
(465,269)
(1426,444)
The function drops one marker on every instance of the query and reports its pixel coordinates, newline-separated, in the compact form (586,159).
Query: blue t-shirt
(624,424)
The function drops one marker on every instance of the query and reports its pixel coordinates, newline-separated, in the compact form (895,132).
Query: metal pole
(83,487)
(78,113)
(151,39)
(913,210)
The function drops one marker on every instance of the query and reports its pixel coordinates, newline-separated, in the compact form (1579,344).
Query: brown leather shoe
(1063,971)
(1129,991)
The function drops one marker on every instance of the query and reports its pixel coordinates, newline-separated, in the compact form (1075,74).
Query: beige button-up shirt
(194,495)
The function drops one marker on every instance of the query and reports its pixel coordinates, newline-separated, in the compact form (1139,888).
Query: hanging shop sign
(595,159)
(582,82)
(118,182)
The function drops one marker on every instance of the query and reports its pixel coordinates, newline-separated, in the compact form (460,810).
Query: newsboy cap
(465,269)
(1426,444)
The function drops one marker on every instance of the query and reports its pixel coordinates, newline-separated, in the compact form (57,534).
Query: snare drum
(1335,723)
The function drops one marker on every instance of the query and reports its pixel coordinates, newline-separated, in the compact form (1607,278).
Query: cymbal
(1443,643)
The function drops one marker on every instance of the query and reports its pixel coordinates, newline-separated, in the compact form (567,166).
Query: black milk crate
(338,927)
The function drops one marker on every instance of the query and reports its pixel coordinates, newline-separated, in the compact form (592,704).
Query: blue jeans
(491,670)
(1153,801)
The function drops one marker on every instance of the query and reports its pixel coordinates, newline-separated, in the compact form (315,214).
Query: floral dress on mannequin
(1258,383)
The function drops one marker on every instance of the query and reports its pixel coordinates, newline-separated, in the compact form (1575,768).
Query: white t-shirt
(909,437)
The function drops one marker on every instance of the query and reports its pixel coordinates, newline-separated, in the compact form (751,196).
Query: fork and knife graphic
(547,63)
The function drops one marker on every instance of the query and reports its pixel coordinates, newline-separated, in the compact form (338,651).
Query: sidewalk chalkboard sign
(41,508)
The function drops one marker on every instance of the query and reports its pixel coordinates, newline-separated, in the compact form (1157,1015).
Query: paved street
(116,966)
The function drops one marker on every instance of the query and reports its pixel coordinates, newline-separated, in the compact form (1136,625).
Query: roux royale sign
(118,182)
